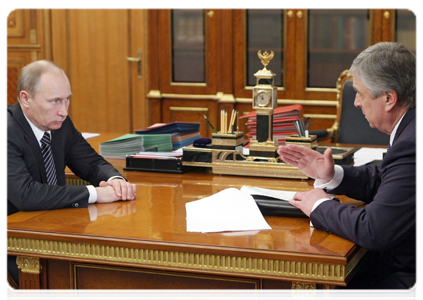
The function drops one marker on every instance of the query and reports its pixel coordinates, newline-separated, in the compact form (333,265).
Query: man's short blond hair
(29,79)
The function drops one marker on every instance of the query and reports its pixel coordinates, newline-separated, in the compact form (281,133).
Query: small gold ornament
(265,57)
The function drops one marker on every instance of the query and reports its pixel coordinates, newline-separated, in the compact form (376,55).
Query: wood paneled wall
(92,47)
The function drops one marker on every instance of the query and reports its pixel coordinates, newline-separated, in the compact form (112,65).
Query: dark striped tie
(48,159)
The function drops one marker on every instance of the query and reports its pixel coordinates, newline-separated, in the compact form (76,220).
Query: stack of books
(124,145)
(283,118)
(130,144)
(181,133)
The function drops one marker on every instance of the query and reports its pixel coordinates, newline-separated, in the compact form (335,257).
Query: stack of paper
(228,210)
(162,141)
(366,155)
(182,133)
(122,146)
(283,125)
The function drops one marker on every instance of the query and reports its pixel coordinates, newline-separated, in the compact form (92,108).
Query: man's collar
(37,132)
(394,131)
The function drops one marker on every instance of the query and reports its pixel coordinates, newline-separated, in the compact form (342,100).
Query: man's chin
(55,125)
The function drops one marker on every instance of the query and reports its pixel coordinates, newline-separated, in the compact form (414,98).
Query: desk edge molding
(289,269)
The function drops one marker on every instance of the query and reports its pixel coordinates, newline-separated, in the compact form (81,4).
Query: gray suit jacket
(27,187)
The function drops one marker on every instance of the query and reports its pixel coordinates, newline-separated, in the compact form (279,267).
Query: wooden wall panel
(27,41)
(98,47)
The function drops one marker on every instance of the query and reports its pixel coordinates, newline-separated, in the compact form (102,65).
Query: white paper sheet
(281,195)
(366,155)
(89,135)
(228,210)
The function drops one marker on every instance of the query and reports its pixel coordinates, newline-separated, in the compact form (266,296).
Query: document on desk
(227,210)
(89,135)
(365,155)
(280,195)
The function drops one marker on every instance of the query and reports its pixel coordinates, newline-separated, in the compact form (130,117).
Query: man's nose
(357,102)
(63,111)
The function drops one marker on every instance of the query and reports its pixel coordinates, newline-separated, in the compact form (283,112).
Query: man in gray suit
(384,78)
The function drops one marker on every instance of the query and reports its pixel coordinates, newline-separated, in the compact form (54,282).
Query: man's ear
(391,100)
(24,98)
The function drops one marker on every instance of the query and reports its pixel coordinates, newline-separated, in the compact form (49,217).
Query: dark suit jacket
(387,224)
(27,187)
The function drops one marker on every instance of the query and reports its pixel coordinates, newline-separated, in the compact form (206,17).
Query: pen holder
(310,142)
(228,141)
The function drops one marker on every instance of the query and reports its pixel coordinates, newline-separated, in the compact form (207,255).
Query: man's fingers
(103,184)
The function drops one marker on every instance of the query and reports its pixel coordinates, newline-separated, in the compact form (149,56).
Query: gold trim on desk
(29,264)
(76,181)
(316,272)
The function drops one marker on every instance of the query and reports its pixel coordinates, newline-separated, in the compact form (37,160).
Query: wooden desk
(144,243)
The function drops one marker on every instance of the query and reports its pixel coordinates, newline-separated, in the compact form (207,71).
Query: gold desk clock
(225,157)
(265,100)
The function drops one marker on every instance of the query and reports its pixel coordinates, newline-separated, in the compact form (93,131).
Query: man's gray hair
(29,79)
(386,67)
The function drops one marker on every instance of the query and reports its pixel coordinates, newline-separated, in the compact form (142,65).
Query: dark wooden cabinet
(197,62)
(311,47)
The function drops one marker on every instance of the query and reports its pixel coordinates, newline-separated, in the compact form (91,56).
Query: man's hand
(106,194)
(123,189)
(310,162)
(305,201)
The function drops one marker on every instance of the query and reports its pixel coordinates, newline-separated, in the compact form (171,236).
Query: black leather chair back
(353,126)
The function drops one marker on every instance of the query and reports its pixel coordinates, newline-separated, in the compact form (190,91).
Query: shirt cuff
(334,183)
(93,194)
(113,177)
(318,202)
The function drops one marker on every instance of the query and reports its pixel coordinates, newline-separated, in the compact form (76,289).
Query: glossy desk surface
(156,221)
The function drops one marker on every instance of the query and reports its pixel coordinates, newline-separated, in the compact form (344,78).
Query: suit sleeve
(27,193)
(390,193)
(85,162)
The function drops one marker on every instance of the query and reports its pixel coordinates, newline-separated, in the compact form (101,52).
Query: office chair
(351,127)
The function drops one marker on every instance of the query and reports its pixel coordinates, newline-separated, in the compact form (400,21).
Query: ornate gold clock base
(269,168)
(263,149)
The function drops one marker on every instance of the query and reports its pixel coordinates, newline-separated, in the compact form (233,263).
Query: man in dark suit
(42,113)
(384,78)
(43,94)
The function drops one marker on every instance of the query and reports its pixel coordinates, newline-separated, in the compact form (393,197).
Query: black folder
(274,207)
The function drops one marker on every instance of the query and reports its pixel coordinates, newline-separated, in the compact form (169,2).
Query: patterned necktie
(48,159)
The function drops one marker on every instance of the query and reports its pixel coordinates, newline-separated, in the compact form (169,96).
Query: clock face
(262,98)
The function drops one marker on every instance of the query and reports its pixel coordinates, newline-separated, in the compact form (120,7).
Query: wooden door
(93,47)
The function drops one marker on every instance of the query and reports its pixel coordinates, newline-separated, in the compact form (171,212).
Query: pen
(210,124)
